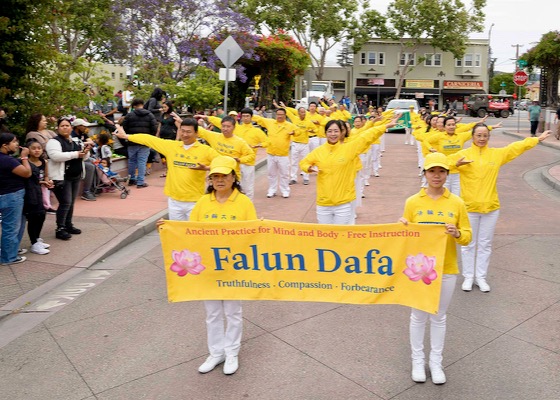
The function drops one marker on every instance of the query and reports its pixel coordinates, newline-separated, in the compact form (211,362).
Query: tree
(546,55)
(506,78)
(316,25)
(443,24)
(182,33)
(344,57)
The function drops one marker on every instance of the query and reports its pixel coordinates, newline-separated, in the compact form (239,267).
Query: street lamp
(490,66)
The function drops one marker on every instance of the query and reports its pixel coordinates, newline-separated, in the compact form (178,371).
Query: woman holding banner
(223,199)
(435,204)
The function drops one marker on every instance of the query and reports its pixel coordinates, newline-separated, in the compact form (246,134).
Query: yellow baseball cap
(222,165)
(435,160)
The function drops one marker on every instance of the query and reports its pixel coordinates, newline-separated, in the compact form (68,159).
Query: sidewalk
(122,340)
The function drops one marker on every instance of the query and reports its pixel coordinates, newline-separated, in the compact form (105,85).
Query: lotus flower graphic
(421,267)
(186,262)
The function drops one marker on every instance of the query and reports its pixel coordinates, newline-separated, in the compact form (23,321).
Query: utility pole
(490,64)
(517,46)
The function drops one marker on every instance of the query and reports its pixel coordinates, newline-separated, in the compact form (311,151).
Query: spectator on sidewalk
(556,119)
(66,167)
(33,207)
(139,120)
(12,191)
(37,130)
(187,163)
(478,167)
(534,117)
(80,131)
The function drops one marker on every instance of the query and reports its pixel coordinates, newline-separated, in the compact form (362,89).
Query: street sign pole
(227,82)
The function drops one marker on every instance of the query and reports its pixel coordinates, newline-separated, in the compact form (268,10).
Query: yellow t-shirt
(447,209)
(238,207)
(279,135)
(182,183)
(233,146)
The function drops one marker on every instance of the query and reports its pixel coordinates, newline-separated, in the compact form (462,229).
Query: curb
(122,240)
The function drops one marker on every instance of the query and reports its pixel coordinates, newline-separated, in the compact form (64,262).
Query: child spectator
(33,207)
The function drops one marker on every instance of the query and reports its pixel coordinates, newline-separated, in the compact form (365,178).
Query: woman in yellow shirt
(435,204)
(479,166)
(224,201)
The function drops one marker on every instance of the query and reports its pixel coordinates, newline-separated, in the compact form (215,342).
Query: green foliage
(510,87)
(443,24)
(546,54)
(315,24)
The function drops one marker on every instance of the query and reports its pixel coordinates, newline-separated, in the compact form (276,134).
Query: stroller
(109,181)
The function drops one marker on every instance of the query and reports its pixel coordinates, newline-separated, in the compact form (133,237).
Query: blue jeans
(137,159)
(11,207)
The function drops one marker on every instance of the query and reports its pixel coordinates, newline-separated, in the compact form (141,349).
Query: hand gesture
(544,135)
(461,161)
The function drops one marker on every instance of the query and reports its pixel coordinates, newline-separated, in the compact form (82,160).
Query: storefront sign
(419,83)
(463,85)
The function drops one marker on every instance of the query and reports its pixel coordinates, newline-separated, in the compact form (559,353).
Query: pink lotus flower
(186,262)
(421,267)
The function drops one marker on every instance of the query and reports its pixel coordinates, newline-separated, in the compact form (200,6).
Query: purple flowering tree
(181,33)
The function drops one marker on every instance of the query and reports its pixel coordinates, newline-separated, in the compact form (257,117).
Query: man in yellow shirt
(278,149)
(300,141)
(227,144)
(187,163)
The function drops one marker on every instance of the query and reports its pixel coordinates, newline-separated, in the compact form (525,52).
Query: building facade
(436,77)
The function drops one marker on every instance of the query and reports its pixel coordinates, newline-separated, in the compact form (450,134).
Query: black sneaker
(88,196)
(141,186)
(62,234)
(73,230)
(51,211)
(131,182)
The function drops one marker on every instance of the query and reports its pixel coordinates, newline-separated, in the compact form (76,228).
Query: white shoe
(231,365)
(380,166)
(467,284)
(211,363)
(418,371)
(366,183)
(37,248)
(438,376)
(405,142)
(45,245)
(482,285)
(376,174)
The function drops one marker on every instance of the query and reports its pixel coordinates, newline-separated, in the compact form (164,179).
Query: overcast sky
(515,22)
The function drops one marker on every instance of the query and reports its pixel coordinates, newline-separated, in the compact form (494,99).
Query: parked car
(480,105)
(402,106)
(523,105)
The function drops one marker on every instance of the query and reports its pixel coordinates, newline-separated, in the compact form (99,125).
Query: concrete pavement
(76,328)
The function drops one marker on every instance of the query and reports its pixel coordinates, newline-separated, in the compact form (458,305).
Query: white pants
(342,214)
(418,320)
(383,143)
(224,340)
(407,135)
(248,180)
(476,255)
(420,155)
(278,168)
(375,157)
(314,142)
(452,183)
(179,210)
(299,151)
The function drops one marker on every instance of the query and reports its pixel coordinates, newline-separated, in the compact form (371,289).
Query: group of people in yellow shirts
(458,192)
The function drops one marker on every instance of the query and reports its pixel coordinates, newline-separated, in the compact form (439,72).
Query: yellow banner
(276,260)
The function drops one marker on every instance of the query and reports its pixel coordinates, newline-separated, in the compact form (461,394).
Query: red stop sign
(520,78)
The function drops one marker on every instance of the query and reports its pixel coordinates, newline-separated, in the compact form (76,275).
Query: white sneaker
(438,376)
(231,365)
(376,174)
(482,285)
(418,371)
(211,363)
(37,248)
(366,183)
(45,245)
(467,284)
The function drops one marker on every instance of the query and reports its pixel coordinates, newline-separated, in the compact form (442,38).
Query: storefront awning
(414,92)
(374,90)
(462,92)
